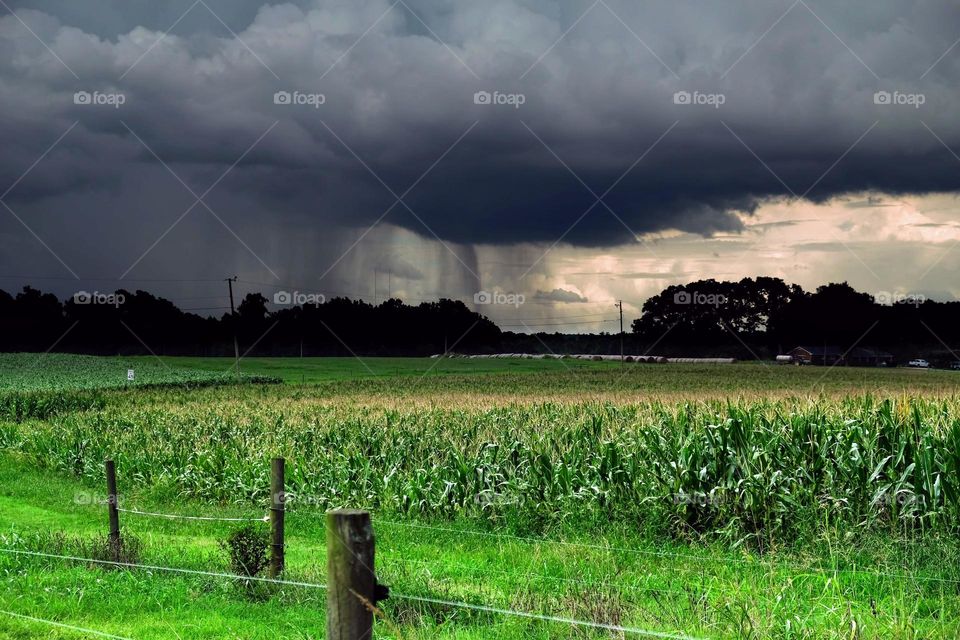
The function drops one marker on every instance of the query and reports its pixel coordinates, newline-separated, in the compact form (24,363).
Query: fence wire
(617,586)
(546,618)
(667,554)
(149,567)
(399,596)
(175,516)
(91,632)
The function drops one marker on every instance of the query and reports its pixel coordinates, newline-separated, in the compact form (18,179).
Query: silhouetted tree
(745,318)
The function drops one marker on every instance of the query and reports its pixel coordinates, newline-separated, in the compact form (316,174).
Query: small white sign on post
(130,375)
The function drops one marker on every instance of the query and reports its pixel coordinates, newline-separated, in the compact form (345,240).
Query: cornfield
(752,471)
(40,385)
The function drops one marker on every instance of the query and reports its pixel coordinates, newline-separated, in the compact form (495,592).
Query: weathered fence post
(113,538)
(277,501)
(351,582)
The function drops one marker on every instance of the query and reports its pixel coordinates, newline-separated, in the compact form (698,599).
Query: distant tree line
(754,317)
(127,322)
(762,317)
(768,316)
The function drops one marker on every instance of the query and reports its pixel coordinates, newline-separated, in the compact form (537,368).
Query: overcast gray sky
(572,151)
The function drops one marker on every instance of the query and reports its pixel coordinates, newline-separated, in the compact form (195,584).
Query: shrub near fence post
(277,502)
(352,588)
(114,535)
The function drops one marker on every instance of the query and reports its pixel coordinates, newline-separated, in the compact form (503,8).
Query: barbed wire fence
(351,576)
(309,585)
(350,573)
(743,562)
(176,516)
(61,625)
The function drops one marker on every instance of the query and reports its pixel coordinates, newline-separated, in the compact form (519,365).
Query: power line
(620,306)
(273,285)
(15,277)
(348,294)
(361,295)
(589,315)
(508,323)
(233,324)
(555,324)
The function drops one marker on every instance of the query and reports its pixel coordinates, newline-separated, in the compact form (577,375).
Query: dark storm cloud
(107,18)
(788,114)
(763,227)
(935,225)
(649,275)
(559,295)
(871,202)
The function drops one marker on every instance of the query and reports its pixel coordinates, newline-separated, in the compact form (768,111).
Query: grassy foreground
(809,509)
(578,375)
(310,370)
(57,372)
(876,588)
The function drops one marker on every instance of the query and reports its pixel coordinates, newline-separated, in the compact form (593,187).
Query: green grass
(706,591)
(541,486)
(309,370)
(67,372)
(41,385)
(527,376)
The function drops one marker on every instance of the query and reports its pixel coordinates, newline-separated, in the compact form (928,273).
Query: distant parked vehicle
(955,365)
(919,363)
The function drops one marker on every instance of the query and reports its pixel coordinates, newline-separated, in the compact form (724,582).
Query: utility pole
(620,305)
(233,322)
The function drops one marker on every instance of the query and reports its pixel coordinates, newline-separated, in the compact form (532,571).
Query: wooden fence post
(113,537)
(277,501)
(351,582)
